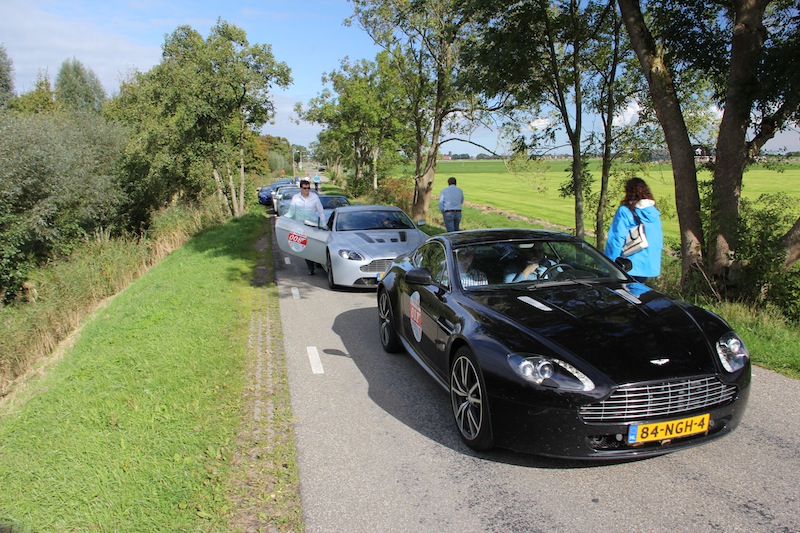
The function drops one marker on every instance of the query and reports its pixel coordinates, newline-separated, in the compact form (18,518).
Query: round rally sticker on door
(416,317)
(297,241)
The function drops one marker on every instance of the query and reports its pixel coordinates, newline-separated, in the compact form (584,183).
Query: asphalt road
(378,451)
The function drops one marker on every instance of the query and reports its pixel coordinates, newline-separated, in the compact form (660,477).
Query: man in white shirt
(306,206)
(451,200)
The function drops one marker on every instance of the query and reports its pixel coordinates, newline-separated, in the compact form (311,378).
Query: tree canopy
(193,116)
(6,77)
(78,88)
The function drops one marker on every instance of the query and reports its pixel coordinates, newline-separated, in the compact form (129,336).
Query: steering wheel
(548,274)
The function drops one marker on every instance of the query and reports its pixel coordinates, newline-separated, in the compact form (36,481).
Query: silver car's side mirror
(314,224)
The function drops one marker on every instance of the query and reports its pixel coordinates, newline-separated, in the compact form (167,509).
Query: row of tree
(77,163)
(448,67)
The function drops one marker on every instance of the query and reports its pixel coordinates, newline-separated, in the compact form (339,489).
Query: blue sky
(112,38)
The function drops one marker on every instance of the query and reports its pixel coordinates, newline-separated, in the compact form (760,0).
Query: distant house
(702,154)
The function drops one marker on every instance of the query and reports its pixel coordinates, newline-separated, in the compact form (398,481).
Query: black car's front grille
(378,265)
(655,400)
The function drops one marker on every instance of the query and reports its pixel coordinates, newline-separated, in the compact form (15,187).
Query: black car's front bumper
(559,431)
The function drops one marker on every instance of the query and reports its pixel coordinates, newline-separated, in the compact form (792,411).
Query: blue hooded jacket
(647,262)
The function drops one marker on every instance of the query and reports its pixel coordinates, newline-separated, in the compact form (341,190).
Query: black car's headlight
(731,352)
(351,255)
(549,372)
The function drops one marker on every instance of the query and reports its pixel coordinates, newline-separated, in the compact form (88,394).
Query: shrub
(759,277)
(57,186)
(397,191)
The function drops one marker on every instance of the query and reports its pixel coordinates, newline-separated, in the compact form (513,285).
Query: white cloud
(539,123)
(628,116)
(39,42)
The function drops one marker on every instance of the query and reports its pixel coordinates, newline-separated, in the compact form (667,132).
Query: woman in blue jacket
(638,199)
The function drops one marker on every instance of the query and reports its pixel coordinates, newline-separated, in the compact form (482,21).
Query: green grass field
(135,428)
(535,193)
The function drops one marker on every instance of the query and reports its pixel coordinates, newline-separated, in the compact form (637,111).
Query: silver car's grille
(378,265)
(654,400)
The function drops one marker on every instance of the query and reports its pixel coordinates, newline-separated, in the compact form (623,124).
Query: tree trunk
(607,117)
(375,153)
(241,180)
(731,154)
(670,116)
(792,243)
(423,187)
(602,204)
(241,167)
(218,184)
(232,187)
(577,180)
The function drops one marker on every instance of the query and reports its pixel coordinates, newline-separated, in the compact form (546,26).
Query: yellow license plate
(668,430)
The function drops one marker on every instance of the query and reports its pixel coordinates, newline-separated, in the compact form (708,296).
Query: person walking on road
(306,206)
(451,200)
(638,203)
(317,181)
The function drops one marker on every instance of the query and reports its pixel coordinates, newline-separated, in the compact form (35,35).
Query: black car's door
(426,318)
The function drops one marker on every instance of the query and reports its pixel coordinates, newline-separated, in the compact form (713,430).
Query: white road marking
(313,358)
(287,260)
(296,293)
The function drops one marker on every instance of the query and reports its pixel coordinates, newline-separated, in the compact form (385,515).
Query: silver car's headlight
(549,372)
(351,255)
(731,352)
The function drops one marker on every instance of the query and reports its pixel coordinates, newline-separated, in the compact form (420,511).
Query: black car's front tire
(470,401)
(386,330)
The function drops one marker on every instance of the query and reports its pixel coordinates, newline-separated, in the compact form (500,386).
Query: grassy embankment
(135,429)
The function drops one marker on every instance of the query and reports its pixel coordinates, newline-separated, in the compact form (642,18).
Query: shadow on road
(399,386)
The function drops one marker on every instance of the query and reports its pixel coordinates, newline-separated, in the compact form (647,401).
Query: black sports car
(546,346)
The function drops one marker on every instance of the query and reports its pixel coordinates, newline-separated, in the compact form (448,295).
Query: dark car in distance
(265,192)
(546,346)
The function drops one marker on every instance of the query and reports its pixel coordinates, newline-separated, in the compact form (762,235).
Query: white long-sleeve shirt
(306,208)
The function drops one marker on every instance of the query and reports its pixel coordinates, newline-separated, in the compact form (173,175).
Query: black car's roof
(503,234)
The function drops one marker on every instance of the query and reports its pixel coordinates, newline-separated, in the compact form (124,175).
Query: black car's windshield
(531,264)
(368,220)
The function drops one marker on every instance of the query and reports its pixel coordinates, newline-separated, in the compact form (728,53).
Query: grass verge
(62,293)
(137,427)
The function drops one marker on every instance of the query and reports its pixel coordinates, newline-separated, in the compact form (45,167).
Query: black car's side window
(432,256)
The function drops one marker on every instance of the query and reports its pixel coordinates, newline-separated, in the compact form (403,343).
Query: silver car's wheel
(329,269)
(469,400)
(389,340)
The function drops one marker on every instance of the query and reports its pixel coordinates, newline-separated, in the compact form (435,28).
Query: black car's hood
(627,337)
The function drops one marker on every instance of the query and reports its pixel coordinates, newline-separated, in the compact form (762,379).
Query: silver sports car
(356,246)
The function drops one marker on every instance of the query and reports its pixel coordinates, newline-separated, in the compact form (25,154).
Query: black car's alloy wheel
(389,340)
(469,400)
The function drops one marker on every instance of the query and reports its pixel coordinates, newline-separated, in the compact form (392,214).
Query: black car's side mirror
(624,263)
(419,276)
